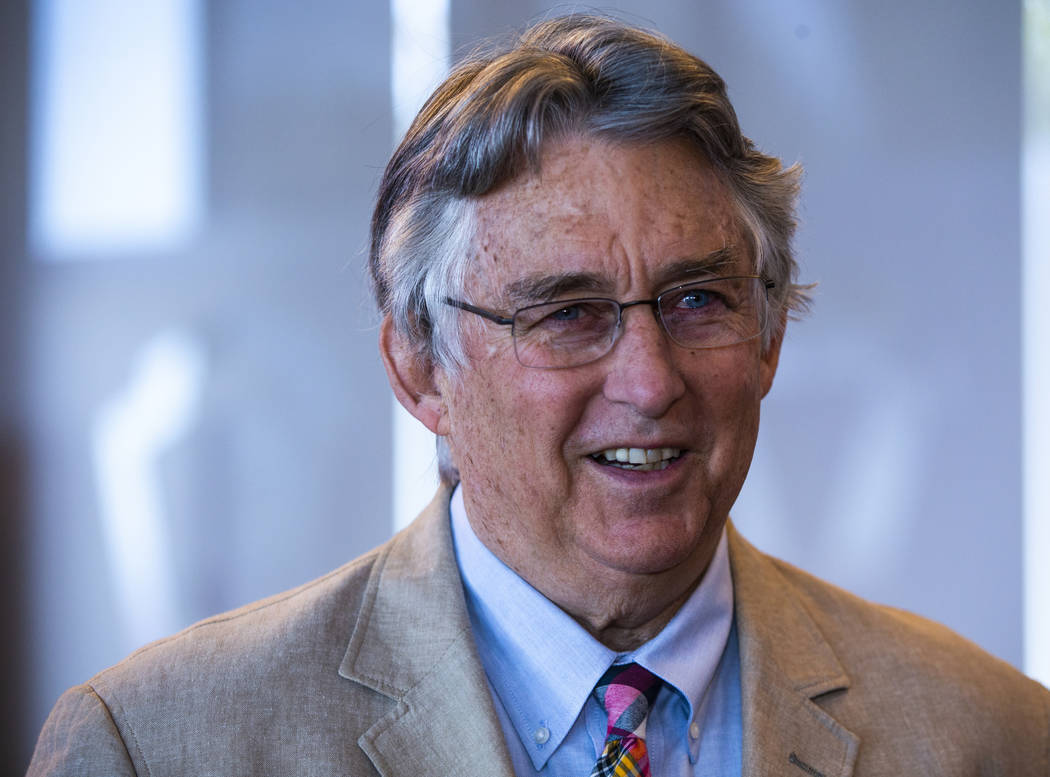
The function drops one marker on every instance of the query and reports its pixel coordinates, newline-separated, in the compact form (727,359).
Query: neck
(627,631)
(622,598)
(623,610)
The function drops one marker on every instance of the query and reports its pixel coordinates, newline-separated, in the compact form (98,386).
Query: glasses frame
(654,305)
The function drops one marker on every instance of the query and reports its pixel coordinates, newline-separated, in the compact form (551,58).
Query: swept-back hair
(487,123)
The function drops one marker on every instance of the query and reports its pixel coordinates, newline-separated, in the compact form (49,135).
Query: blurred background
(193,414)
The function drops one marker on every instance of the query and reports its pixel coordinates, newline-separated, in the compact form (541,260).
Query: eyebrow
(539,288)
(713,264)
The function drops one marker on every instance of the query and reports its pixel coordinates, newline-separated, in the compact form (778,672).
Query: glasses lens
(559,334)
(714,313)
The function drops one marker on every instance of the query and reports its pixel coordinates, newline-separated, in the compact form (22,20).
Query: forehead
(608,218)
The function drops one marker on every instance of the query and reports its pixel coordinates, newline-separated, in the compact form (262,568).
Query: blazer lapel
(785,664)
(413,643)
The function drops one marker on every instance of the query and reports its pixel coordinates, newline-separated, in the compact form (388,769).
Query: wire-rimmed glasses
(712,313)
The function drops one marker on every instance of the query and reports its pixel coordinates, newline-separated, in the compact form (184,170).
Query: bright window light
(1036,281)
(131,432)
(116,125)
(420,54)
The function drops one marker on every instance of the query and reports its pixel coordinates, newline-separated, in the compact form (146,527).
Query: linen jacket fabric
(372,670)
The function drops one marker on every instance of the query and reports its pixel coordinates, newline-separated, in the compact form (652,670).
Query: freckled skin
(617,551)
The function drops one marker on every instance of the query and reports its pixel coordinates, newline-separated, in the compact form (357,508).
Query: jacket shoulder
(252,691)
(914,696)
(311,620)
(884,640)
(920,697)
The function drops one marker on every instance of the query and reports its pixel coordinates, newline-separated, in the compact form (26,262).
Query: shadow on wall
(15,739)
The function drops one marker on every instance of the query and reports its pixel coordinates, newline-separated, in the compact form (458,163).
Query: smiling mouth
(638,459)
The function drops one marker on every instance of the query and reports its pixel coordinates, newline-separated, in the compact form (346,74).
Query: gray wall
(889,457)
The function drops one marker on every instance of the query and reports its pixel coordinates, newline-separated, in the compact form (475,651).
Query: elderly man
(584,271)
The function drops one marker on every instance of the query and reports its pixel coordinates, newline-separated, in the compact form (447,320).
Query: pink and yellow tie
(626,692)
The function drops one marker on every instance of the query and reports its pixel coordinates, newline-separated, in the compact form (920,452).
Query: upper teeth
(640,455)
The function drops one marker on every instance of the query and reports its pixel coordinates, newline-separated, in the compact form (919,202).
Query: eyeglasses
(711,313)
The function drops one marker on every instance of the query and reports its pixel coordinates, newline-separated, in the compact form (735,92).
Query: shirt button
(541,735)
(694,730)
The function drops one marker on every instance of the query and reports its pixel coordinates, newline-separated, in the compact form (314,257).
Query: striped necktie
(625,692)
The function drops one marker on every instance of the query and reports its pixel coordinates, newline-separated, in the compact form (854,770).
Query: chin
(653,553)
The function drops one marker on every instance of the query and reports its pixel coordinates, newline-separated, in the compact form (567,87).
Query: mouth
(638,459)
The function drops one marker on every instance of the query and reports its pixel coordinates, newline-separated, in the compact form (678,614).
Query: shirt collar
(542,665)
(686,653)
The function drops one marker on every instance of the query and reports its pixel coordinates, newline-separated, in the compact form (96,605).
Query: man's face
(627,222)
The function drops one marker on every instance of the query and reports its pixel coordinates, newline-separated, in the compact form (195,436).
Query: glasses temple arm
(494,317)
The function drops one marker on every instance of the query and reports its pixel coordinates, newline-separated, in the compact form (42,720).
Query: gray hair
(487,123)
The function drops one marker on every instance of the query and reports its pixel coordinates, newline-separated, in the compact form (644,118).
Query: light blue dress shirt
(542,666)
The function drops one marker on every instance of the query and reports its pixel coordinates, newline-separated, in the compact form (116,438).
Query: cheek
(475,429)
(483,435)
(509,420)
(730,397)
(742,407)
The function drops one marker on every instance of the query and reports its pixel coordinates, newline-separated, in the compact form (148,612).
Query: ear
(771,357)
(411,377)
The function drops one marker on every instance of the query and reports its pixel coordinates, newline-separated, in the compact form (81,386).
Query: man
(584,271)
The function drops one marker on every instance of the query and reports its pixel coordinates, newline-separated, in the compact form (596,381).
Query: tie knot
(626,691)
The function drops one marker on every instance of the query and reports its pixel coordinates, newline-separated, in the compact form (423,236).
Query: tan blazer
(372,670)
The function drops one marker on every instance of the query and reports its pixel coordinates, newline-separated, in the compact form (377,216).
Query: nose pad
(621,327)
(643,369)
(651,323)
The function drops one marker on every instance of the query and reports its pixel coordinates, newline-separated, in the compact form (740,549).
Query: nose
(642,371)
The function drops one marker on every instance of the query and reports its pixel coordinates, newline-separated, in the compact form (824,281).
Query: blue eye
(696,299)
(570,313)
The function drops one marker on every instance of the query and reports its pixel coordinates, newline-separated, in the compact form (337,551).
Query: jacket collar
(412,643)
(785,664)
